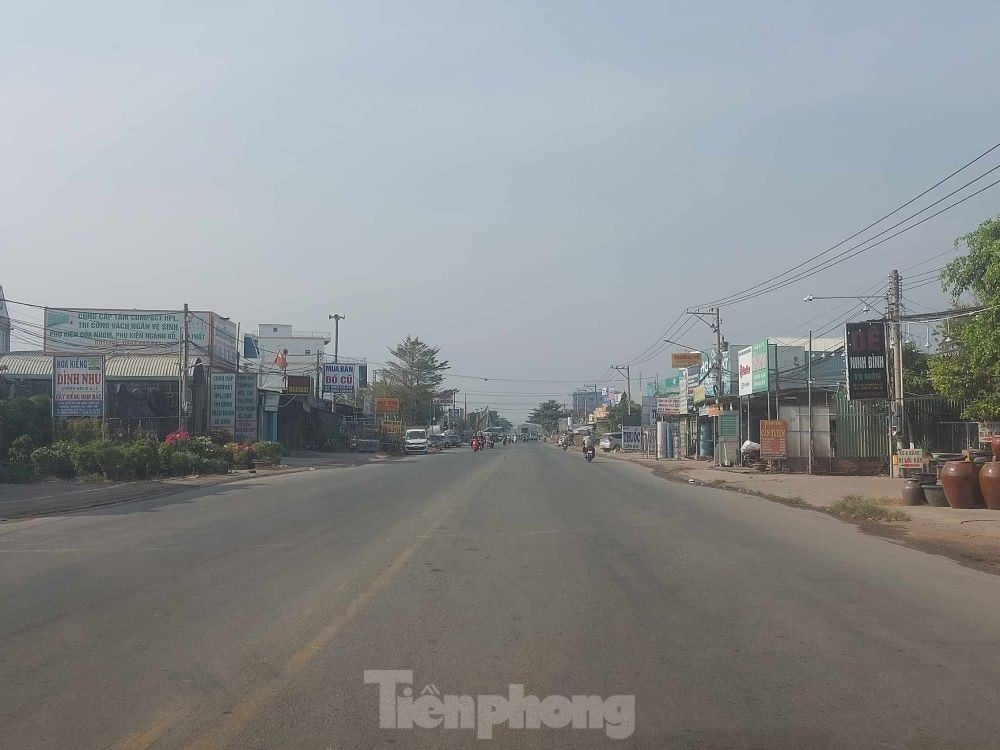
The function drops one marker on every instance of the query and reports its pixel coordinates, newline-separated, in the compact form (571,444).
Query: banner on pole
(339,377)
(223,412)
(78,386)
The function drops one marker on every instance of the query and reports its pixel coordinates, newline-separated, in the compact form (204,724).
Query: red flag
(281,360)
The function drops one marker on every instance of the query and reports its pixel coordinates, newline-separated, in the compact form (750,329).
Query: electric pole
(628,385)
(895,334)
(182,421)
(713,319)
(336,318)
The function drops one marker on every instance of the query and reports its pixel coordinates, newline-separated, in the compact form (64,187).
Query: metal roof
(122,367)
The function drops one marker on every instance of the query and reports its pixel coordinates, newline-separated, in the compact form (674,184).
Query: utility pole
(895,303)
(809,386)
(336,318)
(319,374)
(182,421)
(713,319)
(628,385)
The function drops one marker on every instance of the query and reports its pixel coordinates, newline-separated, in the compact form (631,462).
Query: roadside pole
(182,419)
(809,386)
(895,302)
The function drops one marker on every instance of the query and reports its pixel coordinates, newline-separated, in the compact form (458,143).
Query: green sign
(729,424)
(760,369)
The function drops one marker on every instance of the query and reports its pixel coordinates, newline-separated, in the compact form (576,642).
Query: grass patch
(867,509)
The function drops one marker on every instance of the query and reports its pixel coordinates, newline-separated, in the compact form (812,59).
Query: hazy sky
(537,188)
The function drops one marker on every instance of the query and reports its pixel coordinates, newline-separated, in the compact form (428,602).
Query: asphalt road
(246,615)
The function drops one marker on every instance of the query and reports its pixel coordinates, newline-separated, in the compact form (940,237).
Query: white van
(415,441)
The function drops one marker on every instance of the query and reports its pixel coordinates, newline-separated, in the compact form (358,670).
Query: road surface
(246,615)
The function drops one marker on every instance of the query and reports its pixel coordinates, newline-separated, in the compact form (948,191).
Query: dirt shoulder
(970,537)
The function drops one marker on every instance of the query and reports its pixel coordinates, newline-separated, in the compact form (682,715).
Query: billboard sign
(631,438)
(745,360)
(671,405)
(759,367)
(684,360)
(339,377)
(867,360)
(245,429)
(387,406)
(223,412)
(911,458)
(773,438)
(78,386)
(298,385)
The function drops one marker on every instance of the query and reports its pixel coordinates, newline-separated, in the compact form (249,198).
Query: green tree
(414,376)
(969,364)
(617,411)
(548,414)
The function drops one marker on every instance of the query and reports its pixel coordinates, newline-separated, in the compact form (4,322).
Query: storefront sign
(78,386)
(867,361)
(698,394)
(714,410)
(631,438)
(684,360)
(223,416)
(246,408)
(745,361)
(298,385)
(703,411)
(910,458)
(773,438)
(387,406)
(759,367)
(152,331)
(340,377)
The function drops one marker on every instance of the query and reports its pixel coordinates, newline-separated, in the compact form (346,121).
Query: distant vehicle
(529,431)
(415,441)
(437,441)
(612,441)
(453,440)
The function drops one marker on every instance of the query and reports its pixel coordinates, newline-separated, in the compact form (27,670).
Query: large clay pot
(989,484)
(935,495)
(961,484)
(913,492)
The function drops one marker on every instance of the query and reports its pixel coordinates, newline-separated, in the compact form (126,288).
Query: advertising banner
(867,360)
(684,360)
(78,386)
(910,458)
(154,331)
(387,406)
(340,377)
(223,416)
(760,369)
(631,438)
(745,361)
(671,405)
(698,394)
(245,430)
(298,385)
(773,438)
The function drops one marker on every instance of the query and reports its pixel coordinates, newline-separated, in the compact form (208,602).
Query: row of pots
(963,484)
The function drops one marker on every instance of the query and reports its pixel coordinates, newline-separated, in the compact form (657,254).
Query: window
(308,351)
(275,330)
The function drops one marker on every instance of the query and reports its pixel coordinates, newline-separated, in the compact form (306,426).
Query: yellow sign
(698,393)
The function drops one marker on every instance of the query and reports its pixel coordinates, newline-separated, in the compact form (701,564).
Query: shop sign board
(78,386)
(773,438)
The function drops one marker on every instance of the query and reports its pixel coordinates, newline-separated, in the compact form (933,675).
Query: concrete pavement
(245,615)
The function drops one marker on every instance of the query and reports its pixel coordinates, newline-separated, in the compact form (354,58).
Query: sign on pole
(910,458)
(78,386)
(339,377)
(298,385)
(223,413)
(867,360)
(671,405)
(245,430)
(684,360)
(760,366)
(773,438)
(745,360)
(387,406)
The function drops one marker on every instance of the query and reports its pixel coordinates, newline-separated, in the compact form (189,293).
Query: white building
(302,350)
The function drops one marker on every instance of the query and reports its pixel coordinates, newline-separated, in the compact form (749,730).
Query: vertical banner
(745,360)
(867,360)
(78,386)
(339,377)
(245,418)
(760,363)
(223,401)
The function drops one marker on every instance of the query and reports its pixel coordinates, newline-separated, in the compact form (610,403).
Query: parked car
(437,441)
(453,440)
(612,441)
(415,441)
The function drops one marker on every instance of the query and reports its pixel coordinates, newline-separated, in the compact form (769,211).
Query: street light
(863,300)
(336,318)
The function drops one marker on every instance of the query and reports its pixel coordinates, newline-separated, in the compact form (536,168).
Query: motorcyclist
(589,442)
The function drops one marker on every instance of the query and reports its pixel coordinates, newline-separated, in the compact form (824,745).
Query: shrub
(86,458)
(204,447)
(112,459)
(84,430)
(180,463)
(220,437)
(20,450)
(54,461)
(24,416)
(142,459)
(18,471)
(267,451)
(864,508)
(202,465)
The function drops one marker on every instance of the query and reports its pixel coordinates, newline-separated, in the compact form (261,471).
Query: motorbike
(749,453)
(565,446)
(589,454)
